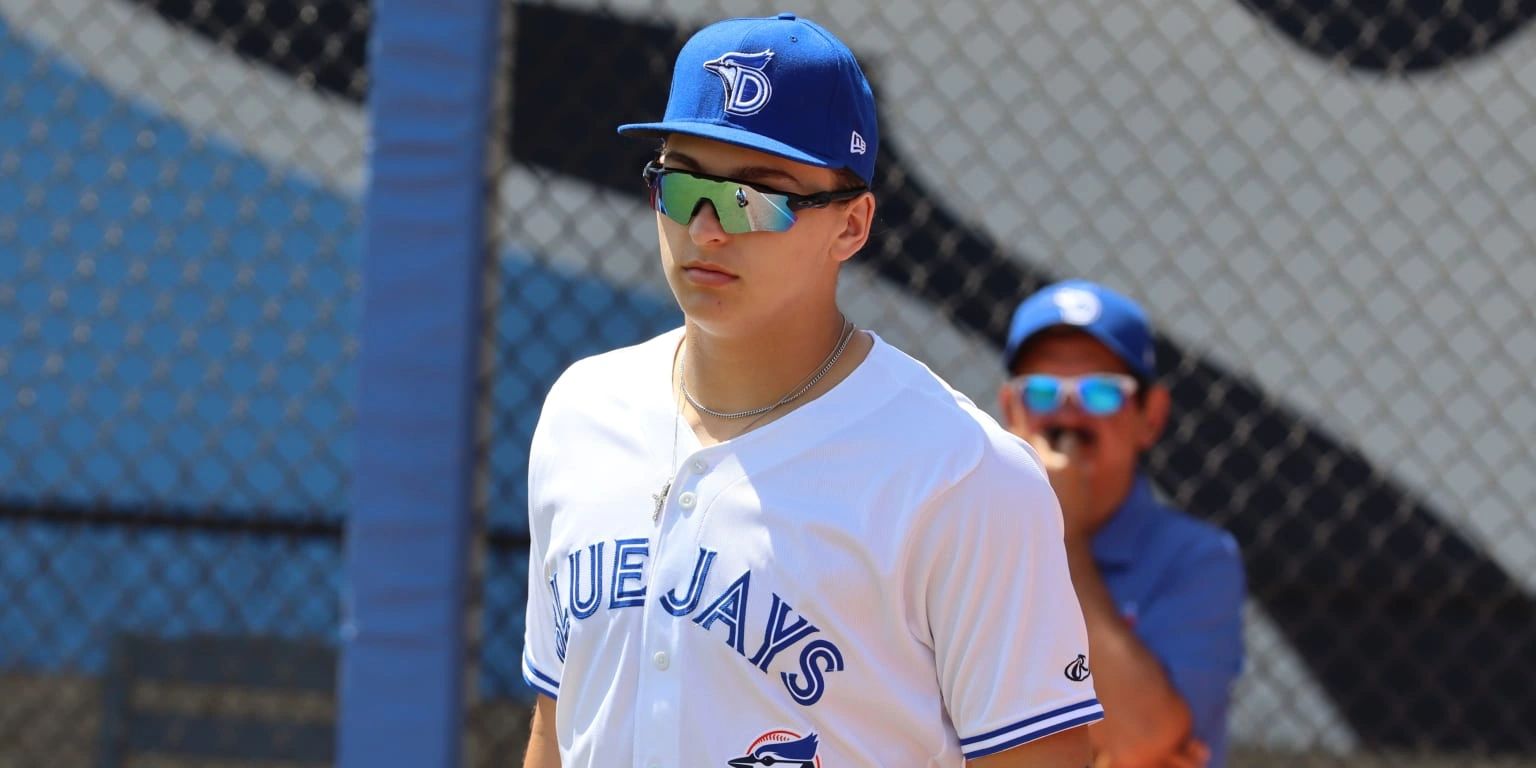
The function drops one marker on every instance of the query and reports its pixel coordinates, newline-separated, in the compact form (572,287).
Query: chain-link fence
(1326,207)
(178,257)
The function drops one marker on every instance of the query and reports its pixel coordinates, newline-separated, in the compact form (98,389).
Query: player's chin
(719,310)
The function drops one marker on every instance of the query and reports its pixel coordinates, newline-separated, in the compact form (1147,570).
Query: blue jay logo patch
(780,747)
(747,89)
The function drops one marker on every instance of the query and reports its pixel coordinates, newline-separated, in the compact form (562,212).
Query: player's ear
(1154,417)
(858,217)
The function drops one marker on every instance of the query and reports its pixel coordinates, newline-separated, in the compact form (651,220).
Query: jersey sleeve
(546,623)
(1007,632)
(1195,629)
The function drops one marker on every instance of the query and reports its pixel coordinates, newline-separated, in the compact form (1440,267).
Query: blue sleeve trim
(539,681)
(1055,713)
(1032,735)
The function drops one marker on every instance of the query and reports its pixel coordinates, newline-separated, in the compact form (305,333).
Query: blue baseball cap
(781,85)
(1112,318)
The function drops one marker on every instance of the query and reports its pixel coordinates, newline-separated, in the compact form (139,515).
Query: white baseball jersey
(875,579)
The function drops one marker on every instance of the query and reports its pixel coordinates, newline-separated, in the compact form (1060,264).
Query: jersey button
(686,499)
(661,660)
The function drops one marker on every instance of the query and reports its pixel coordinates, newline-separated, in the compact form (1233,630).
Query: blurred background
(1328,208)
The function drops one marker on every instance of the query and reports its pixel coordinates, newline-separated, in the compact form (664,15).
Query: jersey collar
(865,389)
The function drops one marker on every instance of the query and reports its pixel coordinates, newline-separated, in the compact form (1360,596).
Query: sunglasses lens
(1041,394)
(678,194)
(739,208)
(1100,396)
(748,210)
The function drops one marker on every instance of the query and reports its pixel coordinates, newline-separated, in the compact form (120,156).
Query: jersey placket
(659,695)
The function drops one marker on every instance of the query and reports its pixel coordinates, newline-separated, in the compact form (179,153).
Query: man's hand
(1191,754)
(1070,480)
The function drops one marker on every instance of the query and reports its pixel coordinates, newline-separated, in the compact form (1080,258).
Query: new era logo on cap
(856,145)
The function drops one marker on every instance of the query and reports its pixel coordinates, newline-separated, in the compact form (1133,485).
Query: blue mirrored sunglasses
(1098,394)
(740,207)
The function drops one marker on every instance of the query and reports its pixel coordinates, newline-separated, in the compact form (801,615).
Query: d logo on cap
(747,89)
(1078,307)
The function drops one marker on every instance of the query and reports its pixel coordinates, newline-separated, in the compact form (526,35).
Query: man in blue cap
(768,537)
(1161,592)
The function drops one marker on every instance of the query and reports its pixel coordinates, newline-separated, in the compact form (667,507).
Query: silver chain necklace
(660,497)
(842,344)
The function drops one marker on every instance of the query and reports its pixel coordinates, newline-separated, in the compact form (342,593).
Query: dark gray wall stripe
(1395,37)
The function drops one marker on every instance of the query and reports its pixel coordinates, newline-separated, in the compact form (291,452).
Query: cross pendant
(661,500)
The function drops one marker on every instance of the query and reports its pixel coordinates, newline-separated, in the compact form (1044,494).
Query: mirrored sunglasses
(1098,394)
(740,207)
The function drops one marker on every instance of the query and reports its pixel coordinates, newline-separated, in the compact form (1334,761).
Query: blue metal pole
(402,677)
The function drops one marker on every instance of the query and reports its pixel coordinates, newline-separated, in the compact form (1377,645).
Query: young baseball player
(1161,591)
(769,538)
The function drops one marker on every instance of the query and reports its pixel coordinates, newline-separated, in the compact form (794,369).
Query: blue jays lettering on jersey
(780,630)
(787,591)
(1179,582)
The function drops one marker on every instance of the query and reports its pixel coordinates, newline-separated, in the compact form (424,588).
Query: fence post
(402,681)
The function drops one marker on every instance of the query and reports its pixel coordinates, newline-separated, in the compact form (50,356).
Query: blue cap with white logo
(781,85)
(1112,318)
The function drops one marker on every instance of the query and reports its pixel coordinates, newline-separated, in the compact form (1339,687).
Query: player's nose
(1068,416)
(705,229)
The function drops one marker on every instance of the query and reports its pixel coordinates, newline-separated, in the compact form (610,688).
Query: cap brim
(727,134)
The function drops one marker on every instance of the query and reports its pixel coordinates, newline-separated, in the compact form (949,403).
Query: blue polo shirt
(1179,582)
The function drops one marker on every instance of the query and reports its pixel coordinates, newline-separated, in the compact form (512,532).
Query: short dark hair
(847,180)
